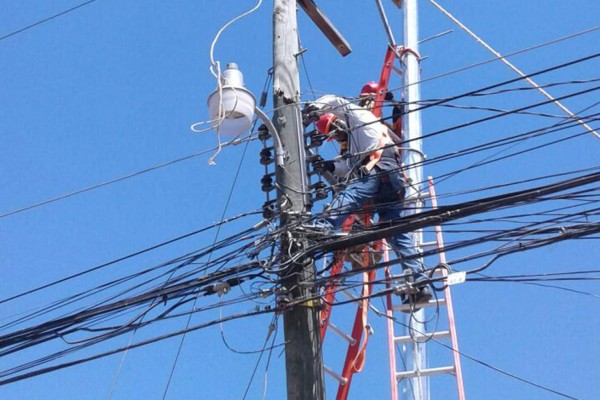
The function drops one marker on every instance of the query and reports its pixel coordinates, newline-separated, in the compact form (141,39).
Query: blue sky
(112,88)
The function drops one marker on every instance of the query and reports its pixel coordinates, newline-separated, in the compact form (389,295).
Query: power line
(128,347)
(122,178)
(120,259)
(238,141)
(513,111)
(181,288)
(46,19)
(225,208)
(497,85)
(490,60)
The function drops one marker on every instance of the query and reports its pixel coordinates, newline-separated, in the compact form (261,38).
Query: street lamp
(232,107)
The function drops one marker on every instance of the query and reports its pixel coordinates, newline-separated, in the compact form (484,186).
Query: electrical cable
(121,349)
(436,217)
(494,86)
(515,69)
(490,366)
(73,298)
(185,261)
(46,19)
(272,326)
(513,111)
(120,259)
(122,178)
(225,208)
(493,59)
(562,288)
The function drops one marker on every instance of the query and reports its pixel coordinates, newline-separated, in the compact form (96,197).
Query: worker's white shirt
(365,130)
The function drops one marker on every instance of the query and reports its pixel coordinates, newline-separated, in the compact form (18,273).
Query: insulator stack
(267,182)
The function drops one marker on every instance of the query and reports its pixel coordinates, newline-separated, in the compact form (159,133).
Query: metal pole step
(334,375)
(342,334)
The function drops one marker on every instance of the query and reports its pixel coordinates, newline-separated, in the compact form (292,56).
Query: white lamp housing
(236,102)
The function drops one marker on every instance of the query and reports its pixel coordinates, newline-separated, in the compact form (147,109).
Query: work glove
(320,165)
(310,108)
(310,114)
(396,113)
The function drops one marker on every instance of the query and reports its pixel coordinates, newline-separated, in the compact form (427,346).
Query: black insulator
(268,213)
(266,156)
(267,183)
(267,188)
(269,209)
(321,194)
(318,185)
(263,133)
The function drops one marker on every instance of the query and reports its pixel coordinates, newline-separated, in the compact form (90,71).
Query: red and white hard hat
(369,89)
(324,124)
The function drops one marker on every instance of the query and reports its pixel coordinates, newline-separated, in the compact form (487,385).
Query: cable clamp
(456,277)
(221,288)
(312,303)
(401,51)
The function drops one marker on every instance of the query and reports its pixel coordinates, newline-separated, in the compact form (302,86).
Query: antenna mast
(414,159)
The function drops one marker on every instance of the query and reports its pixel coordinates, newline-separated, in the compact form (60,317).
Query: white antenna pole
(419,387)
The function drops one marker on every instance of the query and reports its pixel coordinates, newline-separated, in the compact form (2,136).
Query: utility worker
(373,165)
(367,100)
(334,128)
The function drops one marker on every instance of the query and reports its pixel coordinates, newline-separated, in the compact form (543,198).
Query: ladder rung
(335,376)
(420,337)
(425,372)
(431,303)
(342,334)
(429,244)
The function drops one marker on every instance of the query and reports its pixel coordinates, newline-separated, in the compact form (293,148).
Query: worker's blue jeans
(386,192)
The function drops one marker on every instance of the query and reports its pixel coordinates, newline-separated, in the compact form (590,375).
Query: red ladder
(415,338)
(359,337)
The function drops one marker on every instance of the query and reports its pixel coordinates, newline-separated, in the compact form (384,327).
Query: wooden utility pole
(303,356)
